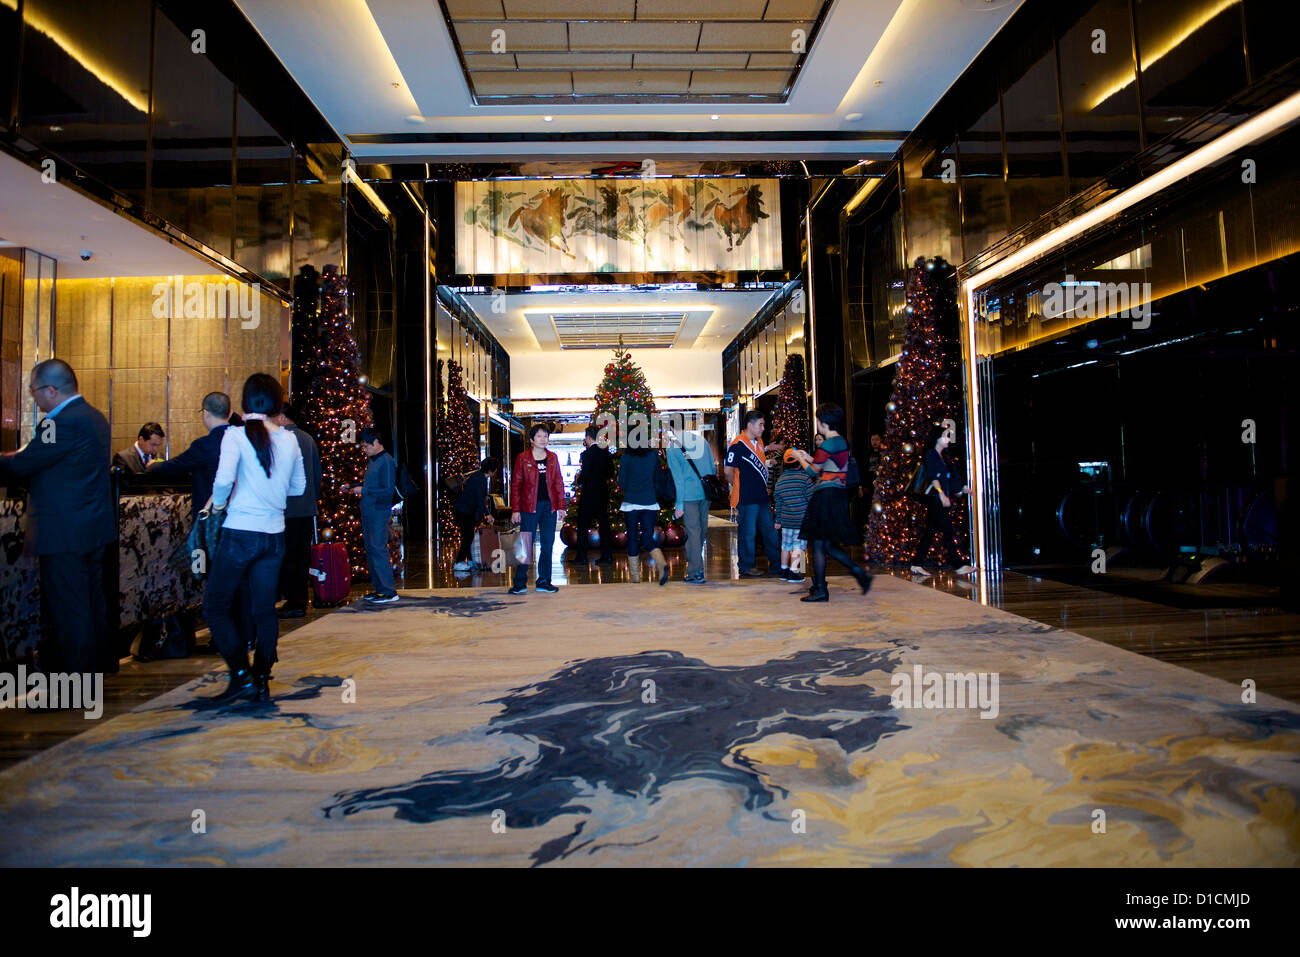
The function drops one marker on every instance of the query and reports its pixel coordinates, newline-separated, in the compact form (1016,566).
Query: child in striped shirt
(793,489)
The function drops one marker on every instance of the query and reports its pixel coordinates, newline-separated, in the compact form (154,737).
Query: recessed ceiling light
(853,117)
(714,116)
(415,118)
(548,118)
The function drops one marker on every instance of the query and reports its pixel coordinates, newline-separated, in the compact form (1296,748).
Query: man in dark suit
(299,521)
(135,458)
(198,463)
(593,504)
(71,525)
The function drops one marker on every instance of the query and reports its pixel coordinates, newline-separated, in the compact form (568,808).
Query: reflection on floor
(625,725)
(1231,642)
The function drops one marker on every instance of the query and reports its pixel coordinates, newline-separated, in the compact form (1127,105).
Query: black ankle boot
(241,678)
(864,579)
(818,592)
(261,677)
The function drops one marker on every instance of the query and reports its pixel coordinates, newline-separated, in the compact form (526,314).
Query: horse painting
(543,218)
(674,208)
(737,220)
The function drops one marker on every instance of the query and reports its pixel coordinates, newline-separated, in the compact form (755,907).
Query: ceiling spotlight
(853,117)
(548,118)
(714,116)
(415,118)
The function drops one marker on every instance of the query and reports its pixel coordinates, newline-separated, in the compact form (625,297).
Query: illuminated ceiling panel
(519,52)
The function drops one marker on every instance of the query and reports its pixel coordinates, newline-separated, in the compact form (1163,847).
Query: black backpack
(406,486)
(665,487)
(852,477)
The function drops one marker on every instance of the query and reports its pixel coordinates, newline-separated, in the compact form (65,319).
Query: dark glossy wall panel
(194,110)
(1192,57)
(1032,127)
(85,86)
(930,179)
(263,191)
(10,38)
(1098,94)
(1268,46)
(984,213)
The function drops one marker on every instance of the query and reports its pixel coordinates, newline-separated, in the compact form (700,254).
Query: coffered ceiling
(444,81)
(632,51)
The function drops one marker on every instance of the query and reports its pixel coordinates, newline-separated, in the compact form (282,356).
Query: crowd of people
(800,506)
(258,474)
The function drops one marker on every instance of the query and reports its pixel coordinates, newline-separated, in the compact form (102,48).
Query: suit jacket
(128,458)
(198,463)
(304,505)
(70,498)
(597,469)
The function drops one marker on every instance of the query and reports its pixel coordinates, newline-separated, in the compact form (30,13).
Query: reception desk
(151,523)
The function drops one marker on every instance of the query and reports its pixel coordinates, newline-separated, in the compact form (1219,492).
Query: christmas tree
(790,417)
(924,395)
(458,449)
(336,410)
(622,392)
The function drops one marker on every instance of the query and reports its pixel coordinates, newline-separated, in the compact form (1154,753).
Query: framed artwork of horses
(617,225)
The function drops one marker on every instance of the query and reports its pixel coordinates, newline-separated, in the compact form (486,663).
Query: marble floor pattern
(631,725)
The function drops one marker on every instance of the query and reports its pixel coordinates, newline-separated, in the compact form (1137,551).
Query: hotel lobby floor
(624,725)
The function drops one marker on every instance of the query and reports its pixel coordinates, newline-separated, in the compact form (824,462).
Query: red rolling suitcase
(331,575)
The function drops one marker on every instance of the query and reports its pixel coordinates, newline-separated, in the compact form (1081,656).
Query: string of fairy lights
(458,448)
(336,410)
(790,415)
(924,394)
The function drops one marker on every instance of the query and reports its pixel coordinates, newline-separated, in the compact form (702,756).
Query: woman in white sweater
(260,467)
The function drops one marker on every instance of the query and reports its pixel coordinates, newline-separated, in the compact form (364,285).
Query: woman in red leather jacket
(537,496)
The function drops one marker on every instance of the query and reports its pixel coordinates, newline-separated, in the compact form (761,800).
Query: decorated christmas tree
(925,393)
(790,417)
(622,392)
(336,410)
(458,451)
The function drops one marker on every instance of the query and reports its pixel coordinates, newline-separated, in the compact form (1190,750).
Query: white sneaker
(918,570)
(965,569)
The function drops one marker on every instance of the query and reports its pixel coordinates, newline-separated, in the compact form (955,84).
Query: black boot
(241,678)
(864,579)
(261,677)
(818,592)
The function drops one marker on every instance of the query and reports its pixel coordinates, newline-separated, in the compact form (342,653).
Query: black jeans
(640,530)
(297,558)
(594,507)
(254,558)
(466,522)
(937,519)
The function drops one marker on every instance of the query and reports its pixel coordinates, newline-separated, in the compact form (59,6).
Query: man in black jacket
(299,522)
(198,463)
(71,524)
(593,504)
(471,507)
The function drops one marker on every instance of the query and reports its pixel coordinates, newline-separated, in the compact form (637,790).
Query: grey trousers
(696,518)
(374,529)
